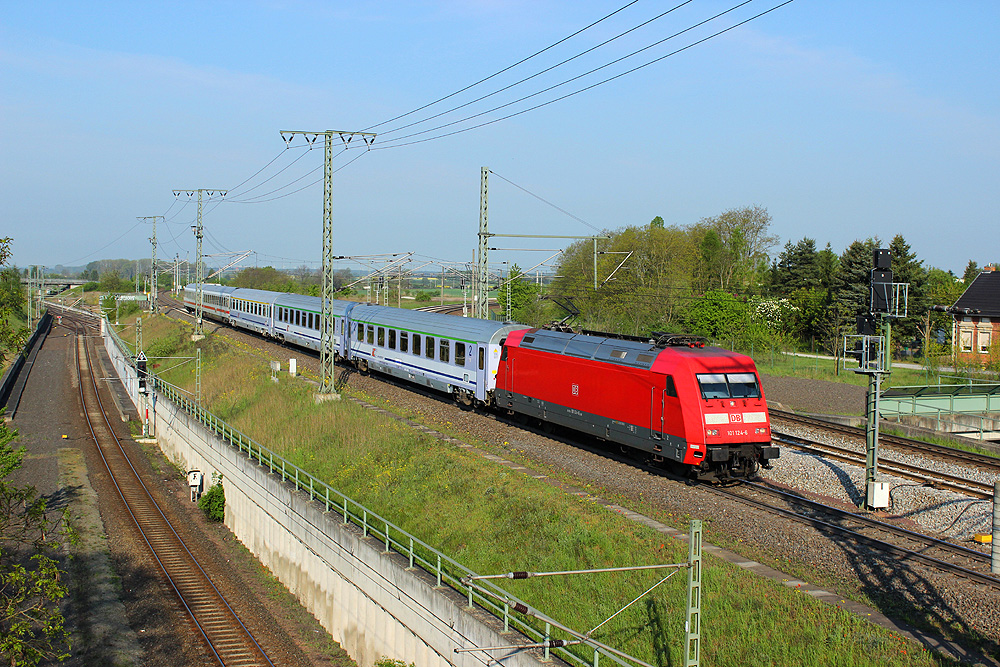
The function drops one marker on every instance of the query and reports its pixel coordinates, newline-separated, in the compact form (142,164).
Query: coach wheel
(363,365)
(464,397)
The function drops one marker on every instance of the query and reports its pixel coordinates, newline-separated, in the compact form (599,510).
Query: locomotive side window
(404,341)
(416,344)
(381,336)
(444,352)
(713,385)
(392,339)
(429,347)
(459,354)
(670,389)
(743,385)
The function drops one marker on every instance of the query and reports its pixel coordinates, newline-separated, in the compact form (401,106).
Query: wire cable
(576,92)
(544,71)
(506,69)
(544,201)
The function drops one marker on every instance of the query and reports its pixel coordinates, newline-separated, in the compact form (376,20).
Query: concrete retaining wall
(367,599)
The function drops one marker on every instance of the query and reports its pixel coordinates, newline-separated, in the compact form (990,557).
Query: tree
(736,257)
(797,268)
(906,268)
(517,292)
(11,338)
(971,271)
(32,627)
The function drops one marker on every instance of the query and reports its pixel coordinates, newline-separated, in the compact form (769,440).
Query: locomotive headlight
(712,431)
(760,431)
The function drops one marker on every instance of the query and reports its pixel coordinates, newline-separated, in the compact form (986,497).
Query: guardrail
(446,571)
(11,376)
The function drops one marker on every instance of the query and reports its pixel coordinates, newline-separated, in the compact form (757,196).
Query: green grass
(494,520)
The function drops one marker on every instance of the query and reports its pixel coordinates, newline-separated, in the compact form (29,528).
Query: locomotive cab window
(743,385)
(713,385)
(459,354)
(728,385)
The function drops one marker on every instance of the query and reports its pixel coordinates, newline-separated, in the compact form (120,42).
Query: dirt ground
(819,397)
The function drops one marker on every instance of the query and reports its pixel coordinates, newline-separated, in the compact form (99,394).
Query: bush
(213,502)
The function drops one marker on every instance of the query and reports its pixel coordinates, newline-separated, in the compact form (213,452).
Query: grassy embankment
(494,520)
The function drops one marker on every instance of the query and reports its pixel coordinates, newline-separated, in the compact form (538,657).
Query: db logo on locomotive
(735,417)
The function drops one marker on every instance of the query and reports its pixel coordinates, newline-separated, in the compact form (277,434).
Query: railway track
(931,478)
(226,638)
(942,452)
(898,545)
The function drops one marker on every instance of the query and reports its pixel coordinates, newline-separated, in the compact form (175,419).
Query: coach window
(381,336)
(316,323)
(416,344)
(482,358)
(298,318)
(371,334)
(444,351)
(392,339)
(404,340)
(429,347)
(459,354)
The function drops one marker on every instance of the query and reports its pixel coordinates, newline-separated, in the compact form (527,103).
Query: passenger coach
(456,355)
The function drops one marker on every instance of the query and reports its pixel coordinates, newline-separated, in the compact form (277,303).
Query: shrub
(213,501)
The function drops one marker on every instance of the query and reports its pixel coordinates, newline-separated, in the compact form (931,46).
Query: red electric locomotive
(699,408)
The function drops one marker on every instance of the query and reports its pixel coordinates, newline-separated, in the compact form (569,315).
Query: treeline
(718,278)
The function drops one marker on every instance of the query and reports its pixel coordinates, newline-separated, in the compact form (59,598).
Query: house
(977,319)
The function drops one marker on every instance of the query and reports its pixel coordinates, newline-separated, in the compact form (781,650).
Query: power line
(510,67)
(544,71)
(581,90)
(544,201)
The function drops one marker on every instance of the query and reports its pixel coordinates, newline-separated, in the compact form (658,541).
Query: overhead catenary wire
(389,144)
(544,71)
(506,69)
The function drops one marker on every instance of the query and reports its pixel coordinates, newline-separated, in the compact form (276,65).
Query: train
(694,408)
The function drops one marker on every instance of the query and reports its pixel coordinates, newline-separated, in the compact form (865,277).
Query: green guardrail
(445,570)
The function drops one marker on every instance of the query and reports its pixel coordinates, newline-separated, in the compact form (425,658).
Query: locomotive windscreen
(728,385)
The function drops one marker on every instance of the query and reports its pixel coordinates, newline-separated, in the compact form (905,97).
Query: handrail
(447,571)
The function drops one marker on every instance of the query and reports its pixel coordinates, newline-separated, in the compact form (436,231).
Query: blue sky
(844,119)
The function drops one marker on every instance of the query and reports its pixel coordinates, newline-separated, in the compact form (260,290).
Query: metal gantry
(199,268)
(326,319)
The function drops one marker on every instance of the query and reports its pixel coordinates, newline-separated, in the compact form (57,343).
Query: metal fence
(445,570)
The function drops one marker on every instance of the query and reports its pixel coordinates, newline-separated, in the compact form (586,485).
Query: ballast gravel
(912,593)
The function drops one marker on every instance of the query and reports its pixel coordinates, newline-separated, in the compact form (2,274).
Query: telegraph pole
(199,268)
(152,264)
(326,320)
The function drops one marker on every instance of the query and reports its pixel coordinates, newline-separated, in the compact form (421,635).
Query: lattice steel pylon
(481,298)
(199,269)
(152,264)
(326,354)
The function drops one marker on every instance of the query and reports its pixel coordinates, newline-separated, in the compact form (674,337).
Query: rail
(445,570)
